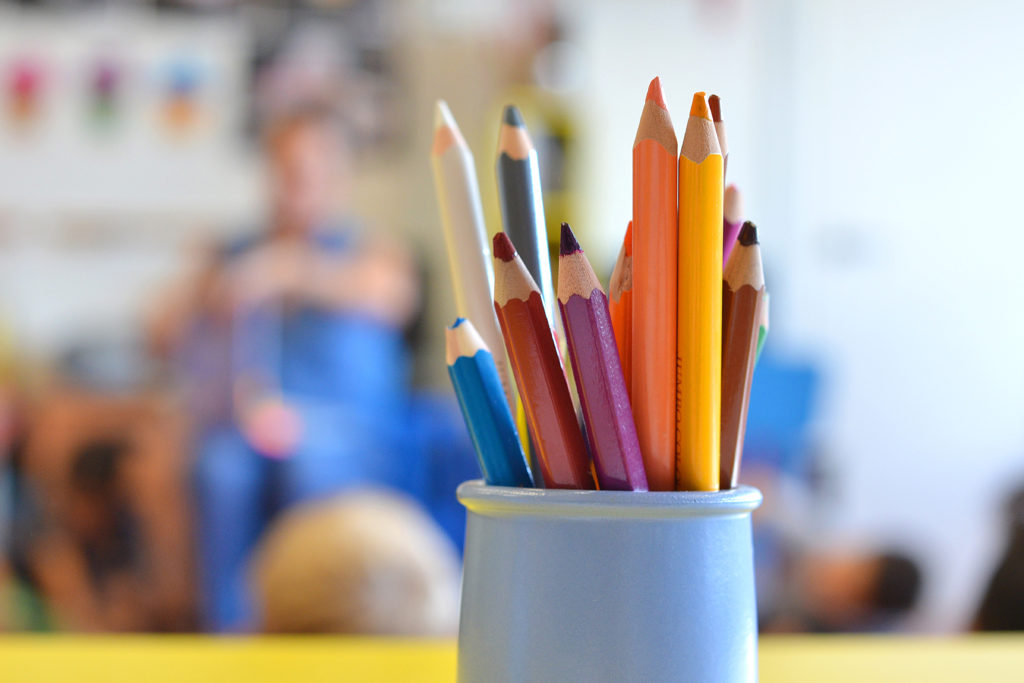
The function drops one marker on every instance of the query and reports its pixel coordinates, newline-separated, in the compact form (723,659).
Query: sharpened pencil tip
(654,93)
(443,116)
(513,117)
(503,248)
(699,108)
(568,244)
(458,321)
(716,108)
(748,234)
(628,241)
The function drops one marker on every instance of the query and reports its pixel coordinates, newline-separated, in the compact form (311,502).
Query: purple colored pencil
(732,220)
(604,400)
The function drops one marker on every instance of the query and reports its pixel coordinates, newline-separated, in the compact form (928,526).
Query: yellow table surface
(793,659)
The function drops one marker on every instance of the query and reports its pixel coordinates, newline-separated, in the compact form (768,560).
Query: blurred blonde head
(370,562)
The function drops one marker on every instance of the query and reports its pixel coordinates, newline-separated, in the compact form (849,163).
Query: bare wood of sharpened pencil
(466,237)
(654,297)
(743,304)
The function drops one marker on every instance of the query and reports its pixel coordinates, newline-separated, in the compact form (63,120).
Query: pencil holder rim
(483,499)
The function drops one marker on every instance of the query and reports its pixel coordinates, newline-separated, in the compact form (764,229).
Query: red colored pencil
(598,373)
(562,453)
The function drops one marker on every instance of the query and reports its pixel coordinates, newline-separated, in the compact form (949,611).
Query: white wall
(903,268)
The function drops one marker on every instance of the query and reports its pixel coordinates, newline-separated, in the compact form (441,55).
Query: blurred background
(223,290)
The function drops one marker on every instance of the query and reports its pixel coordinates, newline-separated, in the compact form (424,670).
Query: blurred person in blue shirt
(297,370)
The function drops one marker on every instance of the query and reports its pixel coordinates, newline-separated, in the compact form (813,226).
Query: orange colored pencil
(620,305)
(561,451)
(654,291)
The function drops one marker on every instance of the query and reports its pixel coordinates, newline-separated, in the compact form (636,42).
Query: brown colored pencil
(715,102)
(743,295)
(654,294)
(537,368)
(620,305)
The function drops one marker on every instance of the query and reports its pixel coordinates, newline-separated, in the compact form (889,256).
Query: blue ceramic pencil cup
(607,586)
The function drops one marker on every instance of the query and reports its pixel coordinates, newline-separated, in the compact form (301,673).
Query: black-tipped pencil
(522,205)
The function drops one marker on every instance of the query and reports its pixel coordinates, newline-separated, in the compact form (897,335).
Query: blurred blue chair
(782,402)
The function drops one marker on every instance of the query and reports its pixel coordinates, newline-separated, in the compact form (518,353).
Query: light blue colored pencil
(475,378)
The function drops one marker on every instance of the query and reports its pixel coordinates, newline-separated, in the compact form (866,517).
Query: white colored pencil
(466,237)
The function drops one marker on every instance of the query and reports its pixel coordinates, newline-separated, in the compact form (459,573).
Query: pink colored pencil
(598,372)
(732,220)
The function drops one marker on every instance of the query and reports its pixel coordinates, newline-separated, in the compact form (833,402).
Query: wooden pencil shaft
(699,361)
(604,401)
(537,368)
(522,213)
(466,239)
(654,299)
(620,306)
(732,220)
(489,421)
(464,232)
(715,104)
(741,310)
(622,324)
(762,333)
(487,414)
(541,381)
(603,397)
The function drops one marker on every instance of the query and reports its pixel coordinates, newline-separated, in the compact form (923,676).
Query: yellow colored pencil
(699,333)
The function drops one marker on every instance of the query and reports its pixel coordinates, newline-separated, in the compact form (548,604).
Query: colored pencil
(522,214)
(537,368)
(522,204)
(762,332)
(487,414)
(604,400)
(465,236)
(654,297)
(620,305)
(715,103)
(699,362)
(732,220)
(742,301)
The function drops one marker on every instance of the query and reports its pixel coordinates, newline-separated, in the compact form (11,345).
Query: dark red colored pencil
(562,453)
